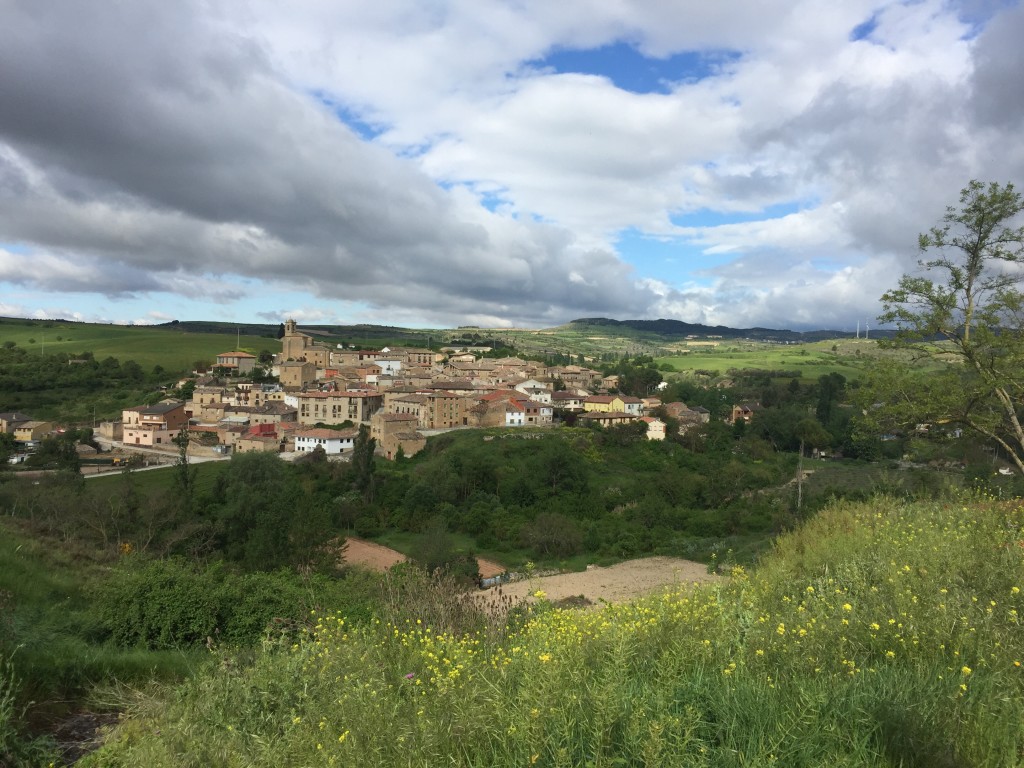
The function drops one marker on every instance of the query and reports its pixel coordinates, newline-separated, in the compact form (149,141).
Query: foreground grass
(881,634)
(51,657)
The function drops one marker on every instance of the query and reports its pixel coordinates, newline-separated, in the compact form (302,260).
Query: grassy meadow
(811,360)
(882,633)
(167,346)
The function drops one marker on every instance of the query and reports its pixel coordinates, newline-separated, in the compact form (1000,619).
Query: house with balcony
(153,425)
(335,407)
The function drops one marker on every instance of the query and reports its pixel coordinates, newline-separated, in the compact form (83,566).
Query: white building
(333,441)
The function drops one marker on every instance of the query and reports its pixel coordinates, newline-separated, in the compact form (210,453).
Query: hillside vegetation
(169,346)
(881,633)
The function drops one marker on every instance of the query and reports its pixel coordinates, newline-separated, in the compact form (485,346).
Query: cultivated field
(175,350)
(847,357)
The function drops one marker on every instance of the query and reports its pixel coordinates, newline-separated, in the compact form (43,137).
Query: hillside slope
(881,634)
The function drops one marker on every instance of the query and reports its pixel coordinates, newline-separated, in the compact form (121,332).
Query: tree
(964,315)
(831,387)
(362,462)
(184,474)
(261,520)
(57,452)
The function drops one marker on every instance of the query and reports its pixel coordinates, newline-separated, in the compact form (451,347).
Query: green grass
(164,479)
(51,628)
(810,360)
(174,349)
(880,634)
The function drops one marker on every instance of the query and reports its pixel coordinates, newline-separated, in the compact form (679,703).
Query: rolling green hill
(171,346)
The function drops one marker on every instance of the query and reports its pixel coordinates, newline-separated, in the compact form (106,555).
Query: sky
(516,163)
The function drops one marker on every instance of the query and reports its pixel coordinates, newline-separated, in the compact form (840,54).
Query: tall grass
(881,633)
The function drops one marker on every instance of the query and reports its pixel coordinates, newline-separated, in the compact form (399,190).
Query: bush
(163,604)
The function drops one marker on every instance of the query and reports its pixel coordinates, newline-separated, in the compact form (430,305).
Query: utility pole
(800,480)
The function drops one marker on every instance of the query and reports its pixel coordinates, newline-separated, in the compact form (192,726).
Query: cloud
(418,162)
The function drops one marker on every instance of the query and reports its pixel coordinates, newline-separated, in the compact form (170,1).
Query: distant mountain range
(653,330)
(660,330)
(677,329)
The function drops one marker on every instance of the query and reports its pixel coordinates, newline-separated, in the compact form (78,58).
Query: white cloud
(196,153)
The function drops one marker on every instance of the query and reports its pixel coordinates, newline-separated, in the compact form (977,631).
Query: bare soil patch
(616,583)
(369,555)
(489,568)
(379,558)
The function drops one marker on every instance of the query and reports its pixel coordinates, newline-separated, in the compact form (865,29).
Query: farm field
(171,348)
(811,360)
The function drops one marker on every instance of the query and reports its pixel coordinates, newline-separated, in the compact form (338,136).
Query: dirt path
(623,581)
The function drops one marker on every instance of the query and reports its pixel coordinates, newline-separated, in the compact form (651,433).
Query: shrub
(171,603)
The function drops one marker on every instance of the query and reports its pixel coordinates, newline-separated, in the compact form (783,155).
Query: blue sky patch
(348,116)
(674,261)
(865,29)
(707,218)
(631,71)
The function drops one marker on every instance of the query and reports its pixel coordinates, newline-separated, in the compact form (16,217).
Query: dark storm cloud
(145,138)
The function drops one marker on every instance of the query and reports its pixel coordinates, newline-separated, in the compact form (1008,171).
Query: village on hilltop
(402,395)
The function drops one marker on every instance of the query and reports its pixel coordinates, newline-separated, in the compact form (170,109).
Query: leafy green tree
(184,475)
(810,433)
(552,535)
(56,452)
(362,462)
(963,315)
(6,449)
(831,387)
(259,521)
